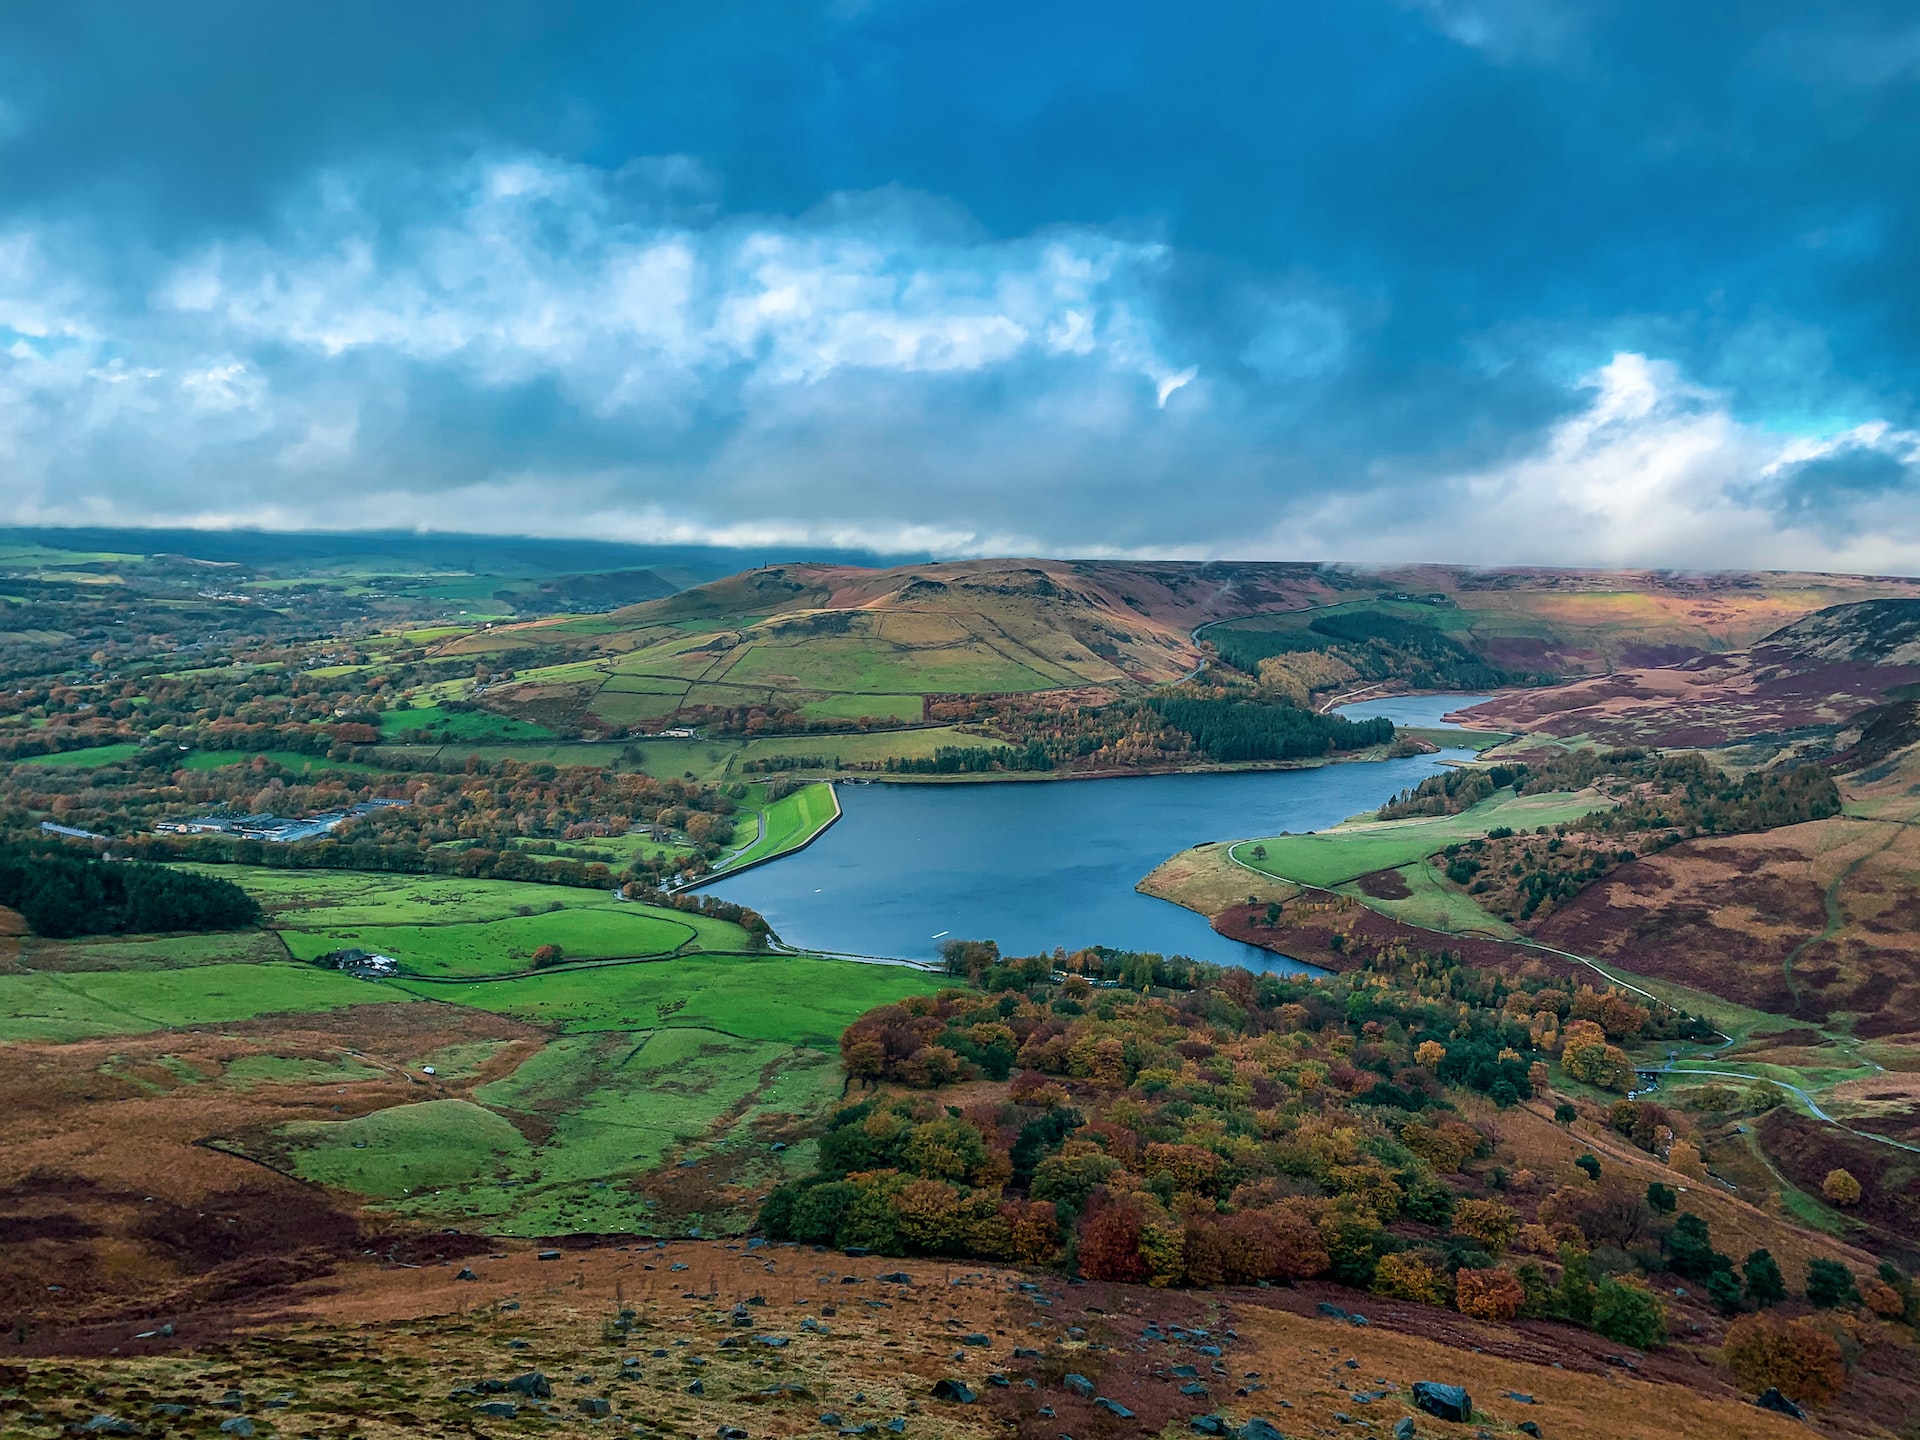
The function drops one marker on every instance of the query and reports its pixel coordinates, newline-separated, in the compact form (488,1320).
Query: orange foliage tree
(1488,1294)
(1795,1357)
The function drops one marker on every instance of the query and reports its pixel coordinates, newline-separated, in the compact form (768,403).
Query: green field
(149,952)
(791,822)
(505,947)
(86,759)
(454,725)
(797,1000)
(46,1006)
(1346,852)
(288,760)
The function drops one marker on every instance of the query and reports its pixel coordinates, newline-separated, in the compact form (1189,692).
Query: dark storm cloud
(1636,277)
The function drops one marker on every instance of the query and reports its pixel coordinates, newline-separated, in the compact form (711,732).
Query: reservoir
(1037,864)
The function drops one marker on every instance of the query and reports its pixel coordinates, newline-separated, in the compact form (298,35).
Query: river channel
(1036,864)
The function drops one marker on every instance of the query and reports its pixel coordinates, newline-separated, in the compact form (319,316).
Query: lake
(1032,865)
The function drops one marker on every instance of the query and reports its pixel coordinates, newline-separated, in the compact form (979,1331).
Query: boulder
(1079,1385)
(167,1410)
(975,1339)
(896,1277)
(1332,1312)
(1772,1399)
(1112,1407)
(109,1425)
(239,1426)
(957,1392)
(533,1385)
(466,1274)
(498,1409)
(1527,1427)
(1259,1429)
(1403,1429)
(1443,1402)
(1208,1425)
(1193,1389)
(592,1405)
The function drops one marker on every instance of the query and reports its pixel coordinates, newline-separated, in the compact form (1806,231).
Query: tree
(1565,1114)
(1690,1249)
(1828,1283)
(1575,1296)
(1488,1294)
(547,955)
(1794,1357)
(1406,1276)
(1491,1222)
(1110,1245)
(1589,1163)
(1662,1199)
(1765,1284)
(1429,1053)
(1723,1290)
(1628,1312)
(1841,1188)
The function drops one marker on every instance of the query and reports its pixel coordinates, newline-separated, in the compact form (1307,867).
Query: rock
(1259,1429)
(698,1387)
(897,1425)
(1404,1429)
(592,1405)
(956,1391)
(896,1277)
(1443,1402)
(774,1342)
(732,1432)
(1357,1319)
(548,1255)
(1520,1397)
(1193,1388)
(111,1425)
(1112,1407)
(1214,1350)
(1772,1399)
(1208,1425)
(1367,1397)
(829,1417)
(858,1252)
(533,1385)
(170,1411)
(1079,1385)
(498,1409)
(232,1400)
(999,1381)
(466,1274)
(975,1339)
(1183,1372)
(239,1426)
(1527,1427)
(1332,1312)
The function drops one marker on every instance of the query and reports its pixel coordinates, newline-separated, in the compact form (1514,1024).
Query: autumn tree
(1794,1357)
(1488,1294)
(1841,1188)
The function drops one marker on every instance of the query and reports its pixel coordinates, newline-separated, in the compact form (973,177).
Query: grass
(505,947)
(793,1000)
(457,725)
(88,759)
(395,1151)
(250,1070)
(288,760)
(792,822)
(327,899)
(1333,857)
(150,952)
(1435,905)
(873,667)
(42,1006)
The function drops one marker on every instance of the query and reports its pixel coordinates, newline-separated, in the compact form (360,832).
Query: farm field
(93,755)
(501,947)
(458,725)
(1333,857)
(52,1006)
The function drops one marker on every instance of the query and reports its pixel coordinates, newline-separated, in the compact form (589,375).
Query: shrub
(1662,1199)
(1488,1294)
(1883,1300)
(547,955)
(1723,1289)
(1793,1356)
(1490,1222)
(1589,1163)
(1407,1276)
(1841,1188)
(1690,1249)
(1627,1312)
(1110,1244)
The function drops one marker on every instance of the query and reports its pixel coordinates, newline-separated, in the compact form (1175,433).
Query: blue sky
(1472,280)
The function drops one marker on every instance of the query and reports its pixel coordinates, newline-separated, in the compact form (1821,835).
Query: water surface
(1032,865)
(1412,712)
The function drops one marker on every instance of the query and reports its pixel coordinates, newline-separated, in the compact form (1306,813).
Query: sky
(1593,282)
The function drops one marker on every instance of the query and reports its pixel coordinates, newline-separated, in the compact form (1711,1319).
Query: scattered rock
(548,1255)
(732,1432)
(1520,1397)
(1404,1429)
(1079,1385)
(1259,1429)
(897,1425)
(232,1400)
(592,1405)
(1193,1388)
(1772,1399)
(896,1277)
(956,1391)
(829,1417)
(1527,1427)
(239,1426)
(1112,1407)
(111,1425)
(533,1385)
(1022,1352)
(466,1274)
(498,1409)
(170,1411)
(1443,1402)
(775,1342)
(698,1387)
(1208,1425)
(1332,1312)
(975,1339)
